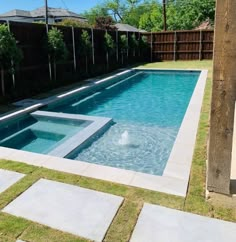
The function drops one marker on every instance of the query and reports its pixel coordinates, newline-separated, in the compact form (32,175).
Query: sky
(78,6)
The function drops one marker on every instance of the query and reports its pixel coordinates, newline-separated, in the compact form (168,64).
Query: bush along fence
(52,56)
(56,55)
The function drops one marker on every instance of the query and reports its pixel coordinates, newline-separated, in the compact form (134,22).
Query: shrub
(85,46)
(56,47)
(10,54)
(109,46)
(123,45)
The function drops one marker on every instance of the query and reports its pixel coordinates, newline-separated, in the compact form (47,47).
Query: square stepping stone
(160,224)
(68,208)
(8,178)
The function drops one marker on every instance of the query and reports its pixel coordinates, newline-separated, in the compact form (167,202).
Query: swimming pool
(175,177)
(147,109)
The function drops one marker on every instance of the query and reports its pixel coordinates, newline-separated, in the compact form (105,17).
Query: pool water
(147,110)
(38,134)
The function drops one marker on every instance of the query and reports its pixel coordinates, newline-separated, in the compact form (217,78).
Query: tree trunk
(107,59)
(2,81)
(55,70)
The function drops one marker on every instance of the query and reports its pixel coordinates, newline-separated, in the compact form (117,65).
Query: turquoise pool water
(147,109)
(38,134)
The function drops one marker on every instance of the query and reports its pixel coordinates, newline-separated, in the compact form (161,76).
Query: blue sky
(78,6)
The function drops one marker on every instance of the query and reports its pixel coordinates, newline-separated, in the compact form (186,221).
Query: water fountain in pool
(124,139)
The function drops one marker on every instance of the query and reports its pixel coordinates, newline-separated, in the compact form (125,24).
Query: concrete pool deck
(176,174)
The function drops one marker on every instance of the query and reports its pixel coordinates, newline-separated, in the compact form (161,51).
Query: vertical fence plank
(117,46)
(175,40)
(200,45)
(49,57)
(127,34)
(74,50)
(13,74)
(93,57)
(151,46)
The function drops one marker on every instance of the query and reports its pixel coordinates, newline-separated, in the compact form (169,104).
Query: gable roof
(54,12)
(16,12)
(40,12)
(127,27)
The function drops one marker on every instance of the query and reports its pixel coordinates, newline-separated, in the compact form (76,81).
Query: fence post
(127,33)
(139,42)
(92,46)
(175,41)
(117,47)
(49,58)
(13,75)
(200,46)
(74,54)
(151,46)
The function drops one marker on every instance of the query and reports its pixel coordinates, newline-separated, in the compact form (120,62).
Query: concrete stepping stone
(160,224)
(68,208)
(8,178)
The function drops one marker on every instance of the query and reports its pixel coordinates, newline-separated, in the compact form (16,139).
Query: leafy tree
(93,13)
(132,15)
(105,23)
(148,14)
(190,13)
(123,45)
(85,46)
(75,23)
(152,20)
(117,7)
(56,47)
(109,46)
(10,54)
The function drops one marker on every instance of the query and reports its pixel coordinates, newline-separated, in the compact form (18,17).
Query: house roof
(40,12)
(16,12)
(54,12)
(127,27)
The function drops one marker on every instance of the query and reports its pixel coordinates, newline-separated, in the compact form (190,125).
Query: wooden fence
(181,45)
(33,74)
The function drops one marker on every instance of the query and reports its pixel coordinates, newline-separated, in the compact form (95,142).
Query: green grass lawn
(121,229)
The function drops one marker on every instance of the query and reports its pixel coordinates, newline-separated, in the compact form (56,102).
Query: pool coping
(97,125)
(176,174)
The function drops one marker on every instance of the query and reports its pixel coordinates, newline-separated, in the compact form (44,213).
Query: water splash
(124,139)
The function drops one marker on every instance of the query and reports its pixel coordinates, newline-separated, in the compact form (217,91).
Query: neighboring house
(55,15)
(127,27)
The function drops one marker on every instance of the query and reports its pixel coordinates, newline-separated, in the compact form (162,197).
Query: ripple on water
(147,150)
